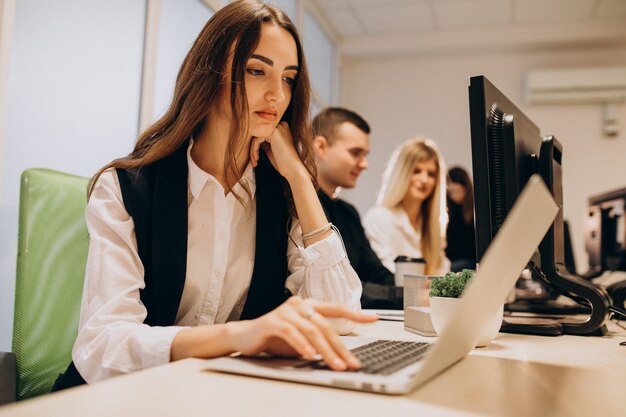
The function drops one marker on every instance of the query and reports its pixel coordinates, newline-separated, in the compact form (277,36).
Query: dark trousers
(70,378)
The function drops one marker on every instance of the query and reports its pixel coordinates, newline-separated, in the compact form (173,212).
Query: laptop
(506,257)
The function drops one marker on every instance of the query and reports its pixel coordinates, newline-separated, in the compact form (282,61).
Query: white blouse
(391,235)
(112,338)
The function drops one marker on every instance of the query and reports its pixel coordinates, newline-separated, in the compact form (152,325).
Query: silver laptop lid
(514,244)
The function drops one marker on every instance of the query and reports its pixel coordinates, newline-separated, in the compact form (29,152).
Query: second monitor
(507,148)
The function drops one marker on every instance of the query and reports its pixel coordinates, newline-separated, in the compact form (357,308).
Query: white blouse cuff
(94,364)
(158,351)
(324,253)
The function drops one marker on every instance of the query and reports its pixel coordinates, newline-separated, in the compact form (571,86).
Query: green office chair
(51,257)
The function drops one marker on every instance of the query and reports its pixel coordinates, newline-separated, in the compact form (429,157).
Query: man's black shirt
(378,282)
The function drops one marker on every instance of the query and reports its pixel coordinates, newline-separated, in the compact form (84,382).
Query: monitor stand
(585,293)
(553,257)
(552,265)
(552,318)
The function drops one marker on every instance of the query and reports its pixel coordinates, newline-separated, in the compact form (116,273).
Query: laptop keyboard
(384,357)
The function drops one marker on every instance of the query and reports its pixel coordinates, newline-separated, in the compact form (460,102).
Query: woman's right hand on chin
(299,327)
(281,152)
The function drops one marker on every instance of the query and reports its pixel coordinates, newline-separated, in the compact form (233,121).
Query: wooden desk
(515,375)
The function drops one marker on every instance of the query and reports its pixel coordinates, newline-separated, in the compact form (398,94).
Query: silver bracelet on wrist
(317,232)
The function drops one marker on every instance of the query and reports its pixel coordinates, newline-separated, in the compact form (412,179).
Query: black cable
(618,313)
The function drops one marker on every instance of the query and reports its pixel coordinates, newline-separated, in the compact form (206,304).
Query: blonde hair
(396,181)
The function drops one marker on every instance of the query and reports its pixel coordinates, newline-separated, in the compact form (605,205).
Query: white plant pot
(443,308)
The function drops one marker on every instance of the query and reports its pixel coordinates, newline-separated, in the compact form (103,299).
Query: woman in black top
(461,244)
(238,128)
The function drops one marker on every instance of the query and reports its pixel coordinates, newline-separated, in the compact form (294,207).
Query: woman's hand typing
(296,328)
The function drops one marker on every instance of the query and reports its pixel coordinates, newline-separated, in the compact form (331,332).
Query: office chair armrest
(8,378)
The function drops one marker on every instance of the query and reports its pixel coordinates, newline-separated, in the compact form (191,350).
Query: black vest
(155,196)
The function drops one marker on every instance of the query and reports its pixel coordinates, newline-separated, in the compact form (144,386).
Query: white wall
(174,41)
(404,97)
(320,53)
(72,103)
(73,96)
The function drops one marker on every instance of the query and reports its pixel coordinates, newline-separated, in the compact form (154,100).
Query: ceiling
(374,27)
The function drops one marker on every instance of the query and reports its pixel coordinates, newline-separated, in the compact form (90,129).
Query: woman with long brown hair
(208,238)
(461,248)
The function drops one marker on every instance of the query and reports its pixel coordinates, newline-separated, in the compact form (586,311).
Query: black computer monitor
(505,153)
(507,148)
(605,232)
(570,259)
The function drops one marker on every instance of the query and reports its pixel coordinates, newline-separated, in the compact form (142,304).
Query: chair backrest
(51,257)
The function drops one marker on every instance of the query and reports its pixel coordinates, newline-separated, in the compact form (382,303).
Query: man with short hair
(341,142)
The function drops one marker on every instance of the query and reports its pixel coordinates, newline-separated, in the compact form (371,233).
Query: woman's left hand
(280,150)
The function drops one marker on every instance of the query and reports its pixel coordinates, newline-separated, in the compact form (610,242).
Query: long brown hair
(460,176)
(202,76)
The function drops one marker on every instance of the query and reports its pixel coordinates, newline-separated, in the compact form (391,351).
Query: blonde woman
(408,216)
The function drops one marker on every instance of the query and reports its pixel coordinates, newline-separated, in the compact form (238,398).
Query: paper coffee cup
(406,265)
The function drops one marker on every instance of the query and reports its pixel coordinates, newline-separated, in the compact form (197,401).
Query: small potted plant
(444,300)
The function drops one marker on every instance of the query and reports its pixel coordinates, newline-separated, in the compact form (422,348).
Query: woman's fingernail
(354,362)
(339,364)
